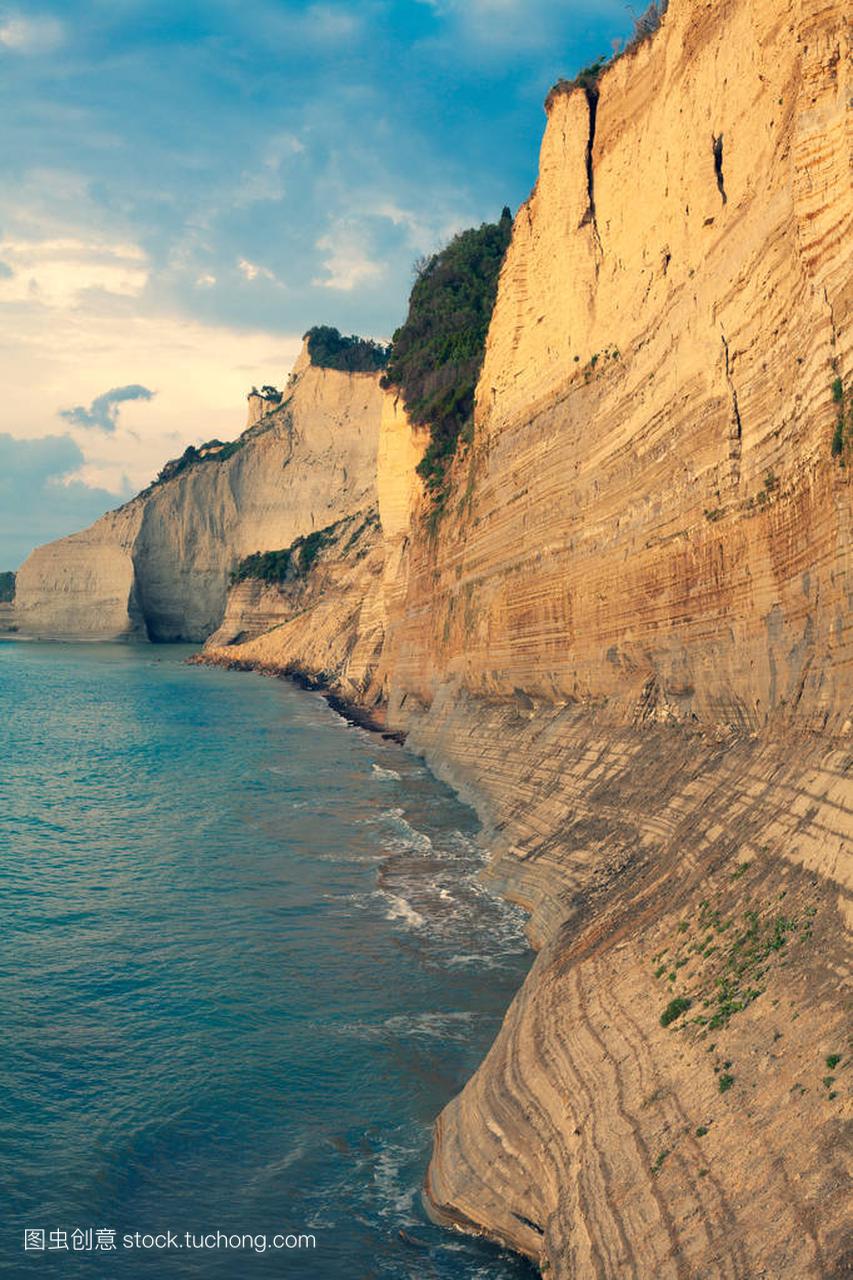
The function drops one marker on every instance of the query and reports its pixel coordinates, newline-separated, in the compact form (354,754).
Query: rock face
(332,625)
(656,518)
(327,626)
(159,566)
(629,645)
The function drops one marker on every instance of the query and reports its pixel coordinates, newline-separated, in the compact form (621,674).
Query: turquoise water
(244,962)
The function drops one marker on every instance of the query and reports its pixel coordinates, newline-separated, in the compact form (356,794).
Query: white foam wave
(400,909)
(410,836)
(387,775)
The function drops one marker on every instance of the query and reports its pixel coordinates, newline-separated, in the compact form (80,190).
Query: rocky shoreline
(352,712)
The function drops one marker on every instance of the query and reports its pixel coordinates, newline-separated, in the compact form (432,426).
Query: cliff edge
(159,567)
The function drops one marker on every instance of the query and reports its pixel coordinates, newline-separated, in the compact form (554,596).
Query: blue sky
(190,185)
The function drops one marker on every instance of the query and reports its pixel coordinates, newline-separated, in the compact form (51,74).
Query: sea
(246,957)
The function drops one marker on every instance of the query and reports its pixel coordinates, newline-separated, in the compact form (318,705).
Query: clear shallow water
(244,961)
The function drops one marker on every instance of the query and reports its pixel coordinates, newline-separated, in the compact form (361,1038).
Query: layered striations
(631,647)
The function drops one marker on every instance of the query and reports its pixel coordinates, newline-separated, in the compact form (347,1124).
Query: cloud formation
(58,269)
(103,412)
(38,499)
(347,261)
(29,35)
(188,187)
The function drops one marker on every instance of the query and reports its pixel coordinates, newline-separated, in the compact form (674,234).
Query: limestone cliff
(332,625)
(631,646)
(628,642)
(159,566)
(327,625)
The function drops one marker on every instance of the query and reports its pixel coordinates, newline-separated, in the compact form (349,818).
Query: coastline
(608,867)
(292,844)
(363,718)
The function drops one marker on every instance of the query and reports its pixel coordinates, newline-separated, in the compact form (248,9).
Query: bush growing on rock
(329,349)
(437,354)
(674,1010)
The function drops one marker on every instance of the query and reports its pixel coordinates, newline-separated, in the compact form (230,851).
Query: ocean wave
(432,1026)
(386,775)
(400,909)
(412,838)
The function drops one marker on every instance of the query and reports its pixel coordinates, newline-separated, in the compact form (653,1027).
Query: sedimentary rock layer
(659,863)
(631,646)
(628,642)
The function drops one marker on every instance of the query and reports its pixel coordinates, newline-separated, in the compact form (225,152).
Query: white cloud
(57,271)
(347,261)
(253,271)
(29,35)
(319,24)
(501,27)
(201,372)
(327,23)
(266,181)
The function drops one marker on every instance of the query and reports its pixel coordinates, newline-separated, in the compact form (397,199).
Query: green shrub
(7,587)
(674,1010)
(725,1082)
(645,27)
(297,560)
(833,1060)
(437,354)
(585,79)
(329,349)
(192,455)
(839,434)
(837,446)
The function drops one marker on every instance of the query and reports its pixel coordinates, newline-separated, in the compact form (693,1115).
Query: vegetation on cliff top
(437,354)
(645,27)
(211,451)
(298,559)
(271,394)
(7,587)
(329,349)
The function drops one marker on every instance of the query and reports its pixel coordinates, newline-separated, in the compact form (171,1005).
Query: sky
(191,184)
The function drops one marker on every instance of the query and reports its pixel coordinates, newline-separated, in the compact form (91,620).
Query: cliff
(625,636)
(631,648)
(159,566)
(331,625)
(627,641)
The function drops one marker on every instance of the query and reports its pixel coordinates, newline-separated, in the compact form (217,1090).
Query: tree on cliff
(329,349)
(437,354)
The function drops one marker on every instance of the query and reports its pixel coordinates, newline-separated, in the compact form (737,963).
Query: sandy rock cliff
(629,645)
(333,628)
(159,567)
